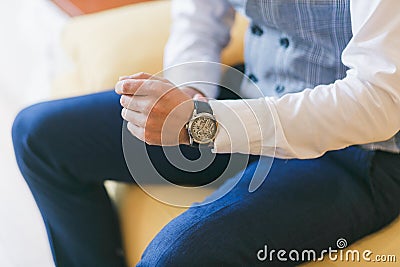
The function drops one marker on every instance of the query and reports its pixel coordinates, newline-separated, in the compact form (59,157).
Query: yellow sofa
(122,41)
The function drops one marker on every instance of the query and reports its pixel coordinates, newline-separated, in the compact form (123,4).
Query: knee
(30,131)
(183,247)
(177,253)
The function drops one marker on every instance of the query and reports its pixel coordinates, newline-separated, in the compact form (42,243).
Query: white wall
(29,32)
(30,56)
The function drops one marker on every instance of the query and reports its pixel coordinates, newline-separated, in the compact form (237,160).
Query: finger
(138,87)
(121,78)
(136,103)
(137,131)
(143,75)
(128,86)
(136,118)
(139,75)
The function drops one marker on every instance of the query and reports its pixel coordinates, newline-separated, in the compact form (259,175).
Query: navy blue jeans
(67,148)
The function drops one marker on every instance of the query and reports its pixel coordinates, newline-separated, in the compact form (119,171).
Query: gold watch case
(202,128)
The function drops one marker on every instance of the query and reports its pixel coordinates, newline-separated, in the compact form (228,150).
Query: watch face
(203,129)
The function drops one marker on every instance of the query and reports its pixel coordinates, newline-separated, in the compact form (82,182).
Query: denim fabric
(303,204)
(67,148)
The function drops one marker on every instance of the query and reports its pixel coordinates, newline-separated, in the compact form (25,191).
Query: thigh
(183,165)
(82,137)
(302,204)
(78,136)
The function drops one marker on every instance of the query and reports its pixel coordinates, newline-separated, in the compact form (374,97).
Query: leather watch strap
(202,107)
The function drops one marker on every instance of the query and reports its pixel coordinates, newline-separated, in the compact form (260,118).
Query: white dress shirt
(361,108)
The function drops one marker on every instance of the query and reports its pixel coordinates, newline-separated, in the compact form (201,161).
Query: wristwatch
(202,127)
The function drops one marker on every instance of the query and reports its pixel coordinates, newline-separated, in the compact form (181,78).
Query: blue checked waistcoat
(296,44)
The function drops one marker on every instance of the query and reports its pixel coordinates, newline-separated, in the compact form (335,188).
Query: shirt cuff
(245,126)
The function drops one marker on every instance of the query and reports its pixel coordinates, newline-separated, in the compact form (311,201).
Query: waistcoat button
(253,78)
(280,89)
(284,42)
(256,30)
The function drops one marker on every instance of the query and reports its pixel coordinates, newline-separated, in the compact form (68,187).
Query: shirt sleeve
(200,30)
(362,108)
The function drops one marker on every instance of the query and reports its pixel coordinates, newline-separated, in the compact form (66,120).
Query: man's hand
(155,109)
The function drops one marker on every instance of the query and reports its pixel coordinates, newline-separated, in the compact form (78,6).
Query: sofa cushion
(122,41)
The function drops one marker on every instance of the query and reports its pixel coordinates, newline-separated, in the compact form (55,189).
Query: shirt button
(284,42)
(253,78)
(280,89)
(256,30)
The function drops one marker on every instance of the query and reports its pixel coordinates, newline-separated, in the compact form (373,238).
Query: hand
(156,110)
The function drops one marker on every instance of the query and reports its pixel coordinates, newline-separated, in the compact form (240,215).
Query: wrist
(184,138)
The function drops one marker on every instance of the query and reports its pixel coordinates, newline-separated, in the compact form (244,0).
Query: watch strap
(197,145)
(202,107)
